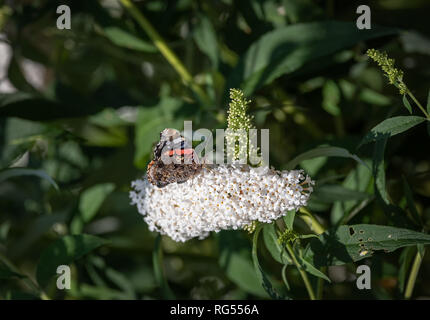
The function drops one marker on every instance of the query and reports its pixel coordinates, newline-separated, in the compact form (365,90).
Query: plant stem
(413,275)
(311,221)
(418,104)
(27,280)
(302,272)
(320,285)
(166,51)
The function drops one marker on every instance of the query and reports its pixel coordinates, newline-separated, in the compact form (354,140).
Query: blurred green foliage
(81,109)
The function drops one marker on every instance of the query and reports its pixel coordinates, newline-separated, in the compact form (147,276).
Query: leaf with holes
(356,242)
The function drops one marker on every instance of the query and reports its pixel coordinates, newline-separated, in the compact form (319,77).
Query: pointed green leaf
(289,219)
(379,168)
(407,104)
(323,152)
(272,244)
(127,40)
(308,267)
(391,127)
(334,192)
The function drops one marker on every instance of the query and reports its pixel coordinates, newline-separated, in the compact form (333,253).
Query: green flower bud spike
(394,75)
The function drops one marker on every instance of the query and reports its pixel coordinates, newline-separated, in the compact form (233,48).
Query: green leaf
(20,136)
(393,212)
(373,97)
(334,192)
(407,104)
(289,219)
(127,40)
(157,262)
(357,179)
(284,277)
(272,244)
(263,278)
(323,152)
(287,49)
(92,198)
(308,267)
(331,98)
(379,168)
(206,40)
(63,252)
(17,172)
(235,261)
(391,127)
(357,242)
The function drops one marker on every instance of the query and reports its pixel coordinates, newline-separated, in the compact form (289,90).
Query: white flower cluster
(219,198)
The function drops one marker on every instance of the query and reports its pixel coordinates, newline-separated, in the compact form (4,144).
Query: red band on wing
(179,151)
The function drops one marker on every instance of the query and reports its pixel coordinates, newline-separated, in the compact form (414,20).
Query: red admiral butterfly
(174,160)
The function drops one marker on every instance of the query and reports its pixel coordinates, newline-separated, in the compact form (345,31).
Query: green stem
(320,285)
(27,280)
(302,272)
(166,51)
(413,275)
(311,221)
(418,104)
